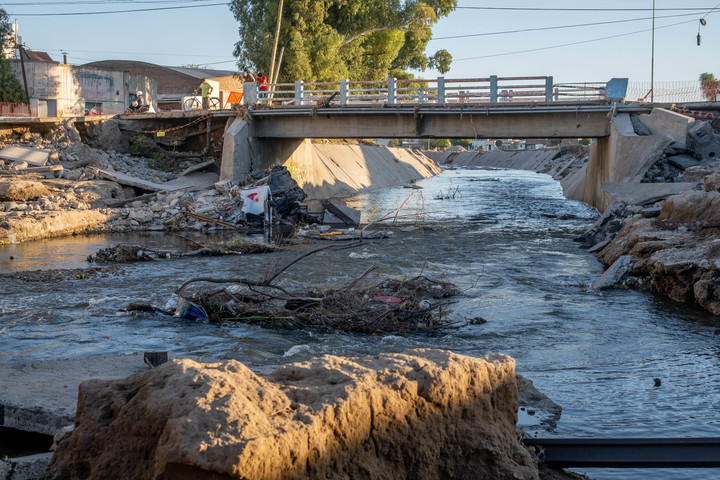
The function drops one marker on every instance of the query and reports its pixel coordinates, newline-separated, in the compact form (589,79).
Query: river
(506,238)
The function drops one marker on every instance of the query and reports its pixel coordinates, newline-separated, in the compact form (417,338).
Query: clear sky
(206,32)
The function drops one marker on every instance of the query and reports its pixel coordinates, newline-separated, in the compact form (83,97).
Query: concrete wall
(322,170)
(665,122)
(71,88)
(621,157)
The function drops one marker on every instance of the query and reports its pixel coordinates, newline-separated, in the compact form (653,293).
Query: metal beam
(628,452)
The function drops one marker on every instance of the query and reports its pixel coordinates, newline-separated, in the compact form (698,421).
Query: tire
(191,104)
(214,103)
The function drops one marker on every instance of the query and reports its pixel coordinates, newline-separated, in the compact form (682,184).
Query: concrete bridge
(278,127)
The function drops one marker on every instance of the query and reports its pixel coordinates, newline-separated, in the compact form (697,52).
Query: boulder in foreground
(421,414)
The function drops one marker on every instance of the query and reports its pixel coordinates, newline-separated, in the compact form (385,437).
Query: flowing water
(506,238)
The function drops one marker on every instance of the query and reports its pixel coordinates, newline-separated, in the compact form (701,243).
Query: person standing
(205,90)
(262,83)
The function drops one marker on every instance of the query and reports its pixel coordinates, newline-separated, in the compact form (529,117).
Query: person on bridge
(205,90)
(262,83)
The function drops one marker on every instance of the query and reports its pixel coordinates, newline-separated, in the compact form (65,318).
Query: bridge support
(621,157)
(244,153)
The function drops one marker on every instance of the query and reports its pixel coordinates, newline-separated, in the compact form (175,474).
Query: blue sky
(206,34)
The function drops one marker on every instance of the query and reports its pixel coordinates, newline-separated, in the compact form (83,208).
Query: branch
(369,31)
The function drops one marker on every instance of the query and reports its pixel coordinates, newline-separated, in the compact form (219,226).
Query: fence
(8,109)
(441,90)
(673,92)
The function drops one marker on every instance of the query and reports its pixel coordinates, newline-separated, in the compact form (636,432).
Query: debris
(209,220)
(29,170)
(155,359)
(340,214)
(614,274)
(33,156)
(390,300)
(188,310)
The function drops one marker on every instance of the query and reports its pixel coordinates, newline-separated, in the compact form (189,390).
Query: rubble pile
(80,188)
(668,245)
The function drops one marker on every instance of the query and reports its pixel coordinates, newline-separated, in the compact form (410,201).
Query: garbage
(188,310)
(388,299)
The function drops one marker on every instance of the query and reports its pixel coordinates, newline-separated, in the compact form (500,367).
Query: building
(176,84)
(60,90)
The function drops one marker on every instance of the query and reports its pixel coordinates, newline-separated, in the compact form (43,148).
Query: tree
(709,86)
(438,143)
(10,88)
(463,142)
(498,142)
(326,40)
(395,142)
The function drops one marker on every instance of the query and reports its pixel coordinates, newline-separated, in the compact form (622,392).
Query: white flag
(254,199)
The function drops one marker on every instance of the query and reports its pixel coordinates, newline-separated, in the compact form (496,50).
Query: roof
(201,73)
(36,56)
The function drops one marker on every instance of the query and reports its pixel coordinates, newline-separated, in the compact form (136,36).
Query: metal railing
(441,90)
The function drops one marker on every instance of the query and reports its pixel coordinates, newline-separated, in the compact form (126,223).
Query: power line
(116,11)
(558,27)
(548,9)
(100,2)
(132,53)
(570,44)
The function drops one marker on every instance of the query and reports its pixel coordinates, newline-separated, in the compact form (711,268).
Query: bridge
(279,122)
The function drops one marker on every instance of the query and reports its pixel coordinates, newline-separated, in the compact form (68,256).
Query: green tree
(709,86)
(326,40)
(395,142)
(10,88)
(498,142)
(439,143)
(463,142)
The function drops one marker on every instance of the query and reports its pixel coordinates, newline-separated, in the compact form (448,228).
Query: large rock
(422,414)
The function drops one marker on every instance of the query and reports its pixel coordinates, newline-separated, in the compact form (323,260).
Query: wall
(73,87)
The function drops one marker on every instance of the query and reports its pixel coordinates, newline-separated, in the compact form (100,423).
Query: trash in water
(190,311)
(387,299)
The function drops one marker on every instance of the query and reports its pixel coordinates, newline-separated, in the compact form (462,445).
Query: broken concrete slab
(198,168)
(599,246)
(41,396)
(643,193)
(193,182)
(705,142)
(30,467)
(664,122)
(33,156)
(336,213)
(683,162)
(613,275)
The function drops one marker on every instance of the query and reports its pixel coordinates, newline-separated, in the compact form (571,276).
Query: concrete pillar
(493,89)
(239,155)
(343,92)
(548,89)
(391,90)
(621,157)
(441,90)
(298,92)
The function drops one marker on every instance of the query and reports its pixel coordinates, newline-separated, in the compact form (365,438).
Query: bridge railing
(441,90)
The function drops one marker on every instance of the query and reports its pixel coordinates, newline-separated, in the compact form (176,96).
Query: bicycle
(195,103)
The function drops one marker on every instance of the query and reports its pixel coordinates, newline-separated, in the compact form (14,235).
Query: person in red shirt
(262,83)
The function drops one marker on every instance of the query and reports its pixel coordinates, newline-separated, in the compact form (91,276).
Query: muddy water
(505,238)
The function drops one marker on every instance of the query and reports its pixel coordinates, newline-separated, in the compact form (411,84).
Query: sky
(574,41)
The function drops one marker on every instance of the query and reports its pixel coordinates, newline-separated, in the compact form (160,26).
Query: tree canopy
(709,86)
(10,88)
(326,40)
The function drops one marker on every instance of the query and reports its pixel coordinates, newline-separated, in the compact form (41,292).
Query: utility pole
(652,59)
(22,65)
(275,42)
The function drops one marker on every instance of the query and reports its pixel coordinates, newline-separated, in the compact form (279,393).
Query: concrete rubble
(419,414)
(665,231)
(89,190)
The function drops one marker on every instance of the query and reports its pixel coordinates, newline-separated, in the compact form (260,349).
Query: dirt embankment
(662,241)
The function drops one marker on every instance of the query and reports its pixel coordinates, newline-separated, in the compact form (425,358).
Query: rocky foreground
(418,415)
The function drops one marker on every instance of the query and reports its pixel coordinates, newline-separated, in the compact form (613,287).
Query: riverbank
(81,189)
